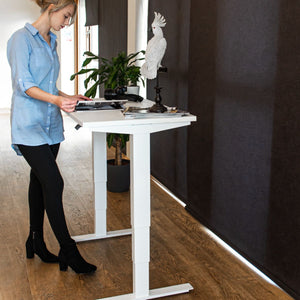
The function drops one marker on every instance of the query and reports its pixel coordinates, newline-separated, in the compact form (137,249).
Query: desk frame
(139,201)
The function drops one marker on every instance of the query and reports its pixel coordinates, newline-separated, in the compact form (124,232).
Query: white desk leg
(140,212)
(140,221)
(100,178)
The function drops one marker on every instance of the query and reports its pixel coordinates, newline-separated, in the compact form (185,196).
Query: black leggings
(45,190)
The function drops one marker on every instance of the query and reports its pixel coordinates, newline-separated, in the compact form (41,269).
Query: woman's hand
(79,98)
(66,104)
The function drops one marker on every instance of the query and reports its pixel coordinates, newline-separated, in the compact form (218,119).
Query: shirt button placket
(52,71)
(48,117)
(51,90)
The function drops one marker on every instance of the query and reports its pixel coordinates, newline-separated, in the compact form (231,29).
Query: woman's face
(61,18)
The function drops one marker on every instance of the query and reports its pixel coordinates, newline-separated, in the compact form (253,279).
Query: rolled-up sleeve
(18,54)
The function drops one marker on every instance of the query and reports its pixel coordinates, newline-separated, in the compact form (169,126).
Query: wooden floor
(181,249)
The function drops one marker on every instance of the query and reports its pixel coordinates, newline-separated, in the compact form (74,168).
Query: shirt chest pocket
(40,63)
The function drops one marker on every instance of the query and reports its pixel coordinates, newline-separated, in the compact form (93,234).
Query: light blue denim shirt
(33,63)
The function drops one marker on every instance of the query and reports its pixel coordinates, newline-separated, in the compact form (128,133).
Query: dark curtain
(112,29)
(283,224)
(201,87)
(92,12)
(236,65)
(169,149)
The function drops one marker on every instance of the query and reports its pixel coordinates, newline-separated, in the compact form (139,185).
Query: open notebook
(100,104)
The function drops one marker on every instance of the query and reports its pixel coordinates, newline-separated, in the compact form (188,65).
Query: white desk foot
(157,293)
(94,236)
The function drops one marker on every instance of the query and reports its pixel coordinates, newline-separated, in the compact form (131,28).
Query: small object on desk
(100,104)
(155,51)
(119,94)
(158,107)
(145,112)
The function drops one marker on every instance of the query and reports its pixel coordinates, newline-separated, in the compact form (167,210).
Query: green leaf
(124,139)
(82,71)
(104,60)
(86,62)
(110,139)
(91,92)
(88,53)
(92,76)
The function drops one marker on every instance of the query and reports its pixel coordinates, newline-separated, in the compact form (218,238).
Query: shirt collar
(34,31)
(53,36)
(31,29)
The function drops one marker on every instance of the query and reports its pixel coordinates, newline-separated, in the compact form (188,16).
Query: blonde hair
(58,5)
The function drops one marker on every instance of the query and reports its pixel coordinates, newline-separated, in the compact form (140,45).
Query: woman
(37,127)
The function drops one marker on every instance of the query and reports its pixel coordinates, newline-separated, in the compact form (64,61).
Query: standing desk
(99,123)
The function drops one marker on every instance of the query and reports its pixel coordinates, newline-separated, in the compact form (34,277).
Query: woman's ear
(50,7)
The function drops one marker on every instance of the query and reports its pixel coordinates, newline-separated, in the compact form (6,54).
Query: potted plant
(133,75)
(117,72)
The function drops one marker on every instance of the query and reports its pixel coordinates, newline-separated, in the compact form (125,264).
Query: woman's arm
(65,103)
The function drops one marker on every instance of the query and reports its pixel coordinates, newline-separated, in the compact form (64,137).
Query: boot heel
(72,258)
(29,251)
(63,266)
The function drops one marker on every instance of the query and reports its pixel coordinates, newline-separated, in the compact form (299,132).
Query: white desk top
(115,121)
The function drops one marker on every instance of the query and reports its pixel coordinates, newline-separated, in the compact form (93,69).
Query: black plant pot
(118,177)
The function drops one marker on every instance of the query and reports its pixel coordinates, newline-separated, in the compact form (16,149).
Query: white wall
(14,15)
(87,41)
(65,49)
(137,30)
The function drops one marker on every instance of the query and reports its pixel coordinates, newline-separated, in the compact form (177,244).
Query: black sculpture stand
(158,107)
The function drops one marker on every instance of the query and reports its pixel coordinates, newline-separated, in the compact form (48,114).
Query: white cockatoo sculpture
(156,48)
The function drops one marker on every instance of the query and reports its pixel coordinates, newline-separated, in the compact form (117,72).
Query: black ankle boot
(70,256)
(35,245)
